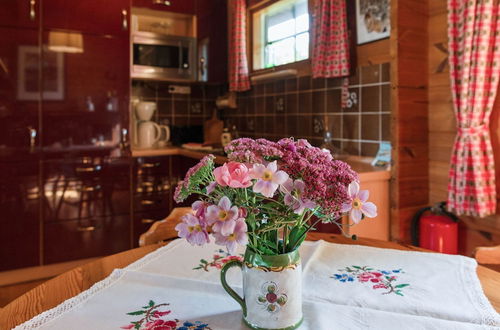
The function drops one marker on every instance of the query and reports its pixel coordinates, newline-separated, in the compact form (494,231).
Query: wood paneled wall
(410,173)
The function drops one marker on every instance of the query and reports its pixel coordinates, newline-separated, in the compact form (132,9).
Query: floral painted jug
(272,290)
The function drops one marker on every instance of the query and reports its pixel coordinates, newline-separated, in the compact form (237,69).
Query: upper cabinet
(20,13)
(89,16)
(19,92)
(176,6)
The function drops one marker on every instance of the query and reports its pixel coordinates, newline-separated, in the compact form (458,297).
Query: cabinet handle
(125,20)
(87,169)
(33,133)
(86,228)
(150,165)
(162,2)
(147,202)
(147,221)
(32,10)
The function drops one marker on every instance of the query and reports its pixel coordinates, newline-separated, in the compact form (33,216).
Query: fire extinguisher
(436,229)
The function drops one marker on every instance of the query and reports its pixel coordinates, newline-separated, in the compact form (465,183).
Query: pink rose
(233,174)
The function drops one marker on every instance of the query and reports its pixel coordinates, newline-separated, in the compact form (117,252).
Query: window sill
(303,68)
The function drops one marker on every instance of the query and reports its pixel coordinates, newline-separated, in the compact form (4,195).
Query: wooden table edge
(69,284)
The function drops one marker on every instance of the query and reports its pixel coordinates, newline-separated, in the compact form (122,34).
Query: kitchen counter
(361,165)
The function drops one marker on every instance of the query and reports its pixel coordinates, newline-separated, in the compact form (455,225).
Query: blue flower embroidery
(193,326)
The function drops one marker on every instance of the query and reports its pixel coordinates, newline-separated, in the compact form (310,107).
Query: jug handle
(229,290)
(167,132)
(158,132)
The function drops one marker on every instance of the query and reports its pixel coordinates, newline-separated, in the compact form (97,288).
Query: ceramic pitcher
(272,290)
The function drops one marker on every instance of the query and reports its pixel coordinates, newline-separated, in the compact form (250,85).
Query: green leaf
(137,313)
(196,268)
(357,267)
(203,261)
(399,286)
(398,292)
(151,303)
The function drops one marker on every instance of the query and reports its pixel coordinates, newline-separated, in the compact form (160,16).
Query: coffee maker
(149,134)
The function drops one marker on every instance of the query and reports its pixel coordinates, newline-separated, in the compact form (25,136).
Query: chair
(488,256)
(164,229)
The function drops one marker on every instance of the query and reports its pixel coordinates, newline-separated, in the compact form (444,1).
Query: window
(280,34)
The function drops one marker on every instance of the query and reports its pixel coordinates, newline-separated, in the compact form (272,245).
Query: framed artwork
(28,60)
(372,20)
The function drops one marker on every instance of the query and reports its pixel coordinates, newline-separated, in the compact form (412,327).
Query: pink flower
(160,325)
(221,217)
(211,187)
(380,286)
(193,229)
(303,143)
(130,326)
(359,206)
(238,236)
(242,212)
(369,276)
(200,209)
(268,178)
(294,191)
(158,314)
(233,174)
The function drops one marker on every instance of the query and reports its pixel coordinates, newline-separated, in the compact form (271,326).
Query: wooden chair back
(489,255)
(164,229)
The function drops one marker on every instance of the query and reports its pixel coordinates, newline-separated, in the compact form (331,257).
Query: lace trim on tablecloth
(471,282)
(71,303)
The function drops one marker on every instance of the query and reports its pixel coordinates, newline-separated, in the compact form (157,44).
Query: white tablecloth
(345,287)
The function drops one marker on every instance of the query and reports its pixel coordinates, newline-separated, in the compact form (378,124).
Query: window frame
(303,66)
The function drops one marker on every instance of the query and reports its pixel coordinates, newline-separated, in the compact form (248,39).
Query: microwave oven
(163,57)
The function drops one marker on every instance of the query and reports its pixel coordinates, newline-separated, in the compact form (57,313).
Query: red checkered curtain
(474,47)
(238,63)
(330,54)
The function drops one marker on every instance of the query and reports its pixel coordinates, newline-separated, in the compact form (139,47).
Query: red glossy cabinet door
(20,13)
(19,91)
(88,103)
(177,6)
(89,16)
(19,214)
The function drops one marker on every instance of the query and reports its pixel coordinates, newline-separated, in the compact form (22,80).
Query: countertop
(361,165)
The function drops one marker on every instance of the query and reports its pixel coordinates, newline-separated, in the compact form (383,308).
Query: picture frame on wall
(372,20)
(28,60)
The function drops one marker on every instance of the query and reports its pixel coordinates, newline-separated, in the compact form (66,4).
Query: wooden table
(69,284)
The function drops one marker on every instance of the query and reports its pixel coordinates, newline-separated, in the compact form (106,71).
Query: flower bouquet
(267,197)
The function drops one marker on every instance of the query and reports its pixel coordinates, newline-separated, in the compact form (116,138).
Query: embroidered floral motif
(152,320)
(219,259)
(381,279)
(271,298)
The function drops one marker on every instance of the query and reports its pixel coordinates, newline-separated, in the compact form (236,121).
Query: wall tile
(386,98)
(350,127)
(260,105)
(291,104)
(370,74)
(269,88)
(333,101)
(370,127)
(352,101)
(305,102)
(291,85)
(318,83)
(280,125)
(370,99)
(369,149)
(334,123)
(304,83)
(386,127)
(386,72)
(270,104)
(280,86)
(318,102)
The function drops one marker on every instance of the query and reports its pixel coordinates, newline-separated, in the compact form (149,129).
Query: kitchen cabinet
(89,16)
(19,219)
(153,186)
(20,13)
(176,6)
(89,99)
(212,38)
(19,129)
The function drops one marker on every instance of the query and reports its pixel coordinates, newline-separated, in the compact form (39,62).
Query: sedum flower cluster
(269,195)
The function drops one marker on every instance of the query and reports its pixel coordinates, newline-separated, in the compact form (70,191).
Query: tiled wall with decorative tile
(304,107)
(178,109)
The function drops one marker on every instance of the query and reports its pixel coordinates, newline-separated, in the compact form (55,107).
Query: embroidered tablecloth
(345,287)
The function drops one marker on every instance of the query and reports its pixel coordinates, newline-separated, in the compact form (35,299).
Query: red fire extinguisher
(435,229)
